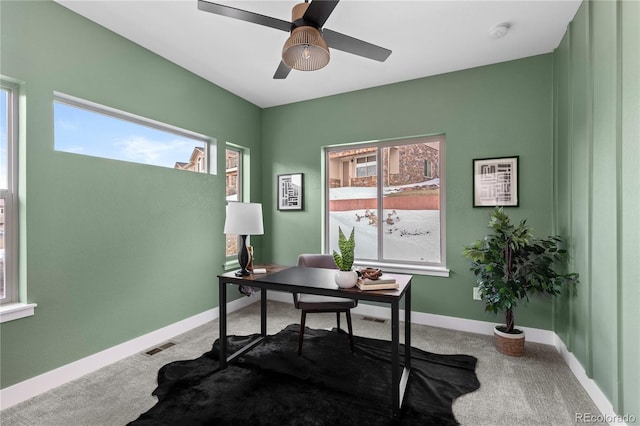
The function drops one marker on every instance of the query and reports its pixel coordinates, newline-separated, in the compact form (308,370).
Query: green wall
(111,250)
(597,115)
(497,110)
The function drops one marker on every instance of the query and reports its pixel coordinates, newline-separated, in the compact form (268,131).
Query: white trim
(440,269)
(452,323)
(208,143)
(590,386)
(123,115)
(535,335)
(231,265)
(10,193)
(51,379)
(14,311)
(406,268)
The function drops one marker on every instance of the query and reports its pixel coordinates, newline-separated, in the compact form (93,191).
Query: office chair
(310,303)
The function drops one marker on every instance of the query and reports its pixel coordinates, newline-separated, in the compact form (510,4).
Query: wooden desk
(321,282)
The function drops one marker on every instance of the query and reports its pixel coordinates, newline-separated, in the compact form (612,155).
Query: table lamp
(244,219)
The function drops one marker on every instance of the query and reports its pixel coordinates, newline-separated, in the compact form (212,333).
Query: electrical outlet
(476,293)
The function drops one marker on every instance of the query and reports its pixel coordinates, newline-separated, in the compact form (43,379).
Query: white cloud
(143,150)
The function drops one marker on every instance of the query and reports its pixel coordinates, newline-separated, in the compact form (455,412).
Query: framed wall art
(290,191)
(495,182)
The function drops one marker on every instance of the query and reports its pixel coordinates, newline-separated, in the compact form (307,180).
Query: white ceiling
(426,37)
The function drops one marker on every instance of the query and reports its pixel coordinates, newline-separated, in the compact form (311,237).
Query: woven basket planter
(509,344)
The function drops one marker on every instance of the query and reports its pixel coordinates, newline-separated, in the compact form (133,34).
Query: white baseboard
(36,385)
(460,324)
(535,335)
(32,387)
(608,413)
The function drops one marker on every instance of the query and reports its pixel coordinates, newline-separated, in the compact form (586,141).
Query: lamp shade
(305,50)
(244,219)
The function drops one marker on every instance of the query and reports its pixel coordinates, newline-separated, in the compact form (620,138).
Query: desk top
(314,281)
(271,269)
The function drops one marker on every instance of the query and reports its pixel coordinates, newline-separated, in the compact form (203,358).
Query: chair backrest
(317,261)
(314,261)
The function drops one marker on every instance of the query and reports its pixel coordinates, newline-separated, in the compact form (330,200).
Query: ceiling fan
(307,48)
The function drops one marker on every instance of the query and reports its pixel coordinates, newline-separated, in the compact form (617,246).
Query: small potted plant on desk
(346,277)
(511,264)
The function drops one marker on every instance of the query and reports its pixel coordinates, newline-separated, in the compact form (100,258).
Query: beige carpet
(537,389)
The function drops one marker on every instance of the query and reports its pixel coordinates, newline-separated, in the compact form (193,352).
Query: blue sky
(86,132)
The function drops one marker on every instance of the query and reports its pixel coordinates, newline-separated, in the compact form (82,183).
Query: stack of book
(384,282)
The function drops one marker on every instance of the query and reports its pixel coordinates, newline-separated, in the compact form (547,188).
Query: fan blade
(352,45)
(282,72)
(244,15)
(319,10)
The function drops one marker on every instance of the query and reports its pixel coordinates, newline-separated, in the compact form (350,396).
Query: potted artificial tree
(510,264)
(346,277)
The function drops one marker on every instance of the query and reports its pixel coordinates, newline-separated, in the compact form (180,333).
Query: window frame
(232,259)
(86,105)
(366,165)
(422,268)
(10,196)
(428,168)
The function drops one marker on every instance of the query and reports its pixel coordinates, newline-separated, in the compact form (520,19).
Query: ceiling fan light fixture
(305,49)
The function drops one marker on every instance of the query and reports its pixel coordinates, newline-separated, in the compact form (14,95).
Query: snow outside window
(396,209)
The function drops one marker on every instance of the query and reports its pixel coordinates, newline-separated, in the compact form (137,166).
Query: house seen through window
(391,193)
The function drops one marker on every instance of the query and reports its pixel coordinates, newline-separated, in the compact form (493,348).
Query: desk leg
(222,306)
(407,328)
(263,311)
(395,358)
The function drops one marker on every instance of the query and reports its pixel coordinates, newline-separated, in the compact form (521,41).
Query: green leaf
(510,264)
(344,260)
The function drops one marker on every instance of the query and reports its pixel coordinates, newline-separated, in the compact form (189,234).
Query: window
(366,166)
(86,128)
(8,192)
(233,173)
(396,209)
(428,168)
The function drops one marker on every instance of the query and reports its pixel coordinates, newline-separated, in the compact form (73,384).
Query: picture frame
(290,191)
(495,182)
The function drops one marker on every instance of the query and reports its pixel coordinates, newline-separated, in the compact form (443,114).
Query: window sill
(435,271)
(230,265)
(14,311)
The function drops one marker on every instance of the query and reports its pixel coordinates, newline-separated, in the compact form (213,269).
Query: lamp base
(243,258)
(242,273)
